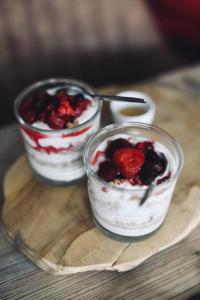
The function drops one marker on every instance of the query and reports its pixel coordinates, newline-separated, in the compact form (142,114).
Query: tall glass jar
(116,210)
(56,155)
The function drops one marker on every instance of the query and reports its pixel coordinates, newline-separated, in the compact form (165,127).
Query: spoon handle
(121,98)
(146,195)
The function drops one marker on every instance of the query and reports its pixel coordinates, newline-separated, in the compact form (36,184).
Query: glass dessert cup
(118,210)
(55,155)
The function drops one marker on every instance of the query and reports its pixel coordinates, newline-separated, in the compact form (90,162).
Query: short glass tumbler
(118,211)
(56,155)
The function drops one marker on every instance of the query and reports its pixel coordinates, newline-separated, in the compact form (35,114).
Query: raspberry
(65,108)
(145,146)
(55,121)
(116,144)
(107,171)
(129,161)
(56,110)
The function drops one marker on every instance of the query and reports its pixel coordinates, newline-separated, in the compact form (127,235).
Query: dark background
(99,41)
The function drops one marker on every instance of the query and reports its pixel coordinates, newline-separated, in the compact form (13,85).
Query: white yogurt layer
(41,125)
(117,208)
(66,165)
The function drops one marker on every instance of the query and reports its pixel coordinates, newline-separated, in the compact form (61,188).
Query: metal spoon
(120,98)
(101,97)
(146,195)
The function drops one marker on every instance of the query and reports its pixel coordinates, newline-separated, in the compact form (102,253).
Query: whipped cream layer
(117,208)
(58,156)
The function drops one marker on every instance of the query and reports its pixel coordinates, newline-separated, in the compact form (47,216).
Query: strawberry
(65,108)
(129,161)
(116,144)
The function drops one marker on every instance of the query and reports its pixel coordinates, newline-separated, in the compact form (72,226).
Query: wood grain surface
(173,273)
(52,226)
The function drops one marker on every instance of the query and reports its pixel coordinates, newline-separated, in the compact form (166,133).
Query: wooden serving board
(52,226)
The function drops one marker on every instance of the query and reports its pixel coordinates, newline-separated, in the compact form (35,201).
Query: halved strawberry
(129,161)
(116,144)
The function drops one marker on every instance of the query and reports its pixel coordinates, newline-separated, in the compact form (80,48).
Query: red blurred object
(178,19)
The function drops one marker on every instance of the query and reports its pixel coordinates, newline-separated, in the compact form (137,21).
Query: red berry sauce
(58,111)
(138,163)
(37,136)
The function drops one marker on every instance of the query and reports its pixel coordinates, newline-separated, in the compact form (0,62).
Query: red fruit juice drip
(76,132)
(37,136)
(104,189)
(96,157)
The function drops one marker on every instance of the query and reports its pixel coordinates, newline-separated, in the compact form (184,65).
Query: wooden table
(171,274)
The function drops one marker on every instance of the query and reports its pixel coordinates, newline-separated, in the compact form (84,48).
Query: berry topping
(108,171)
(128,161)
(145,146)
(155,164)
(58,111)
(55,121)
(116,144)
(65,109)
(140,164)
(30,117)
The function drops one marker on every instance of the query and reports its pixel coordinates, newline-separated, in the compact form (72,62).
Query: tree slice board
(52,226)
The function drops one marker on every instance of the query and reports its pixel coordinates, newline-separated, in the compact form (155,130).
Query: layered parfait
(132,172)
(56,118)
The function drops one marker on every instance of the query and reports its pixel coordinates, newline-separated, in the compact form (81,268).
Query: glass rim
(136,125)
(87,89)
